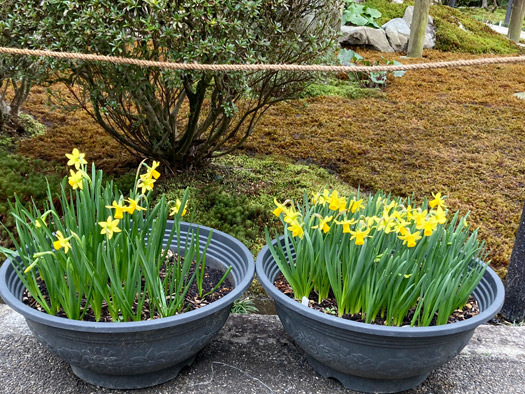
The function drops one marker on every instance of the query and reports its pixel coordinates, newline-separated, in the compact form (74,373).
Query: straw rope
(259,67)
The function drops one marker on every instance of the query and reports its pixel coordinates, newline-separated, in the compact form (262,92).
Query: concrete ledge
(253,354)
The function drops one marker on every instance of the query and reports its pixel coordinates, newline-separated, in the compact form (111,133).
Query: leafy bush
(177,117)
(360,15)
(17,75)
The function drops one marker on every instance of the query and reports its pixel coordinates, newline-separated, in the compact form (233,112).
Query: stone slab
(253,354)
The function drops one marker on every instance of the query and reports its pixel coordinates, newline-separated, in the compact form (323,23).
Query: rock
(430,35)
(397,32)
(398,1)
(365,36)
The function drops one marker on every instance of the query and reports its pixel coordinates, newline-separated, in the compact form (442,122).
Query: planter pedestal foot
(131,381)
(366,385)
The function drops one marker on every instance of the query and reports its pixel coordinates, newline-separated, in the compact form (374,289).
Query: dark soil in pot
(329,306)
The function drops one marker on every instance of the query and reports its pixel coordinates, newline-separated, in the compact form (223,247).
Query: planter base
(131,381)
(366,385)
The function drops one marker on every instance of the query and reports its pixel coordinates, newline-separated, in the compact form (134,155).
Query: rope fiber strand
(258,67)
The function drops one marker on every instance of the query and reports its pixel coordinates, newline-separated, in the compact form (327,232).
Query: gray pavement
(253,354)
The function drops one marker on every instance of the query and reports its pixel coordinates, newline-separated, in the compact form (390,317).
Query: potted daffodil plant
(382,290)
(114,284)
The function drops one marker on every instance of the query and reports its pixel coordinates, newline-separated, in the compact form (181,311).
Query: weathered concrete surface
(254,355)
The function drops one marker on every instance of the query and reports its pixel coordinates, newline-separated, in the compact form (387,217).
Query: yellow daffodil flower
(325,197)
(109,227)
(410,239)
(356,205)
(76,158)
(323,224)
(176,208)
(419,216)
(440,215)
(368,221)
(280,207)
(296,229)
(61,242)
(152,172)
(291,216)
(410,213)
(133,206)
(346,224)
(386,225)
(336,203)
(400,226)
(437,201)
(119,209)
(388,207)
(145,183)
(75,180)
(359,236)
(428,226)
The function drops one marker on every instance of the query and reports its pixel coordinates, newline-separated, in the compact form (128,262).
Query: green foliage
(360,15)
(378,79)
(243,306)
(382,257)
(177,117)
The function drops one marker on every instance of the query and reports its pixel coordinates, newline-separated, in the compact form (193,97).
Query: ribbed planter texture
(137,354)
(373,358)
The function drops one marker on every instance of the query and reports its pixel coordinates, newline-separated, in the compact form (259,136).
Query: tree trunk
(514,306)
(516,20)
(485,4)
(509,11)
(418,28)
(452,3)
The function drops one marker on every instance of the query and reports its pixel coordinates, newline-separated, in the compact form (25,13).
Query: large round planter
(374,358)
(137,354)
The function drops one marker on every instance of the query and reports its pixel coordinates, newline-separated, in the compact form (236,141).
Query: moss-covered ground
(459,131)
(456,31)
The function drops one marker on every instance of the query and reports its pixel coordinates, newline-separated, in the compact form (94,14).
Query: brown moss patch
(459,131)
(67,130)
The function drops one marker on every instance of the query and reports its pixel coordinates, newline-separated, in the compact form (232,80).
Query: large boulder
(365,36)
(397,32)
(430,35)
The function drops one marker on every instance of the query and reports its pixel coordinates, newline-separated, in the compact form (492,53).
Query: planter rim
(373,329)
(143,325)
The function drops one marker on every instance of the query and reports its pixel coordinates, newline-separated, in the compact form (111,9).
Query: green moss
(388,9)
(6,142)
(235,193)
(475,37)
(478,38)
(339,88)
(27,178)
(31,125)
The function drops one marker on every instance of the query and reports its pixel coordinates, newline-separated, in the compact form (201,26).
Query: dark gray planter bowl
(137,354)
(373,358)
